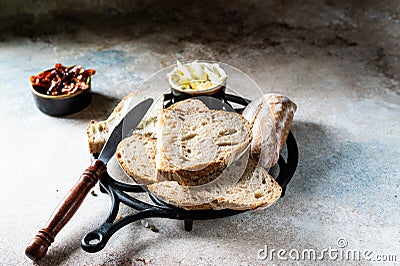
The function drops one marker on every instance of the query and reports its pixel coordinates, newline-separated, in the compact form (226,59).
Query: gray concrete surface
(340,62)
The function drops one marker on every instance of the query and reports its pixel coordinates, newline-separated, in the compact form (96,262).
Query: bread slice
(136,155)
(98,132)
(193,145)
(271,117)
(255,189)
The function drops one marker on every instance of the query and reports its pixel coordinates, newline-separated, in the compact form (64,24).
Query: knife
(74,198)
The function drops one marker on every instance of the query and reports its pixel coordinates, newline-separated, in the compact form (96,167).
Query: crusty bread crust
(268,140)
(282,110)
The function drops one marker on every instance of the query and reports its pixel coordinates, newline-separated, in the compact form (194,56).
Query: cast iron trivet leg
(188,225)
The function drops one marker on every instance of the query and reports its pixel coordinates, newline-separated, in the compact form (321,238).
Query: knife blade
(74,198)
(124,129)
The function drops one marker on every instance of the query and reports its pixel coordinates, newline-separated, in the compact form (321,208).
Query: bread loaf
(271,117)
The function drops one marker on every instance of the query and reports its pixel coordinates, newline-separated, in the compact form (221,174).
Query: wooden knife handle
(65,210)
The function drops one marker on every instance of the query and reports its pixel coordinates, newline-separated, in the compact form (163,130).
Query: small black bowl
(61,105)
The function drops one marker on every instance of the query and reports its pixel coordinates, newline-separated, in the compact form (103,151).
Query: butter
(197,76)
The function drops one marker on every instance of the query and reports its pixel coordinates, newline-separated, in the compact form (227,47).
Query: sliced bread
(193,145)
(136,155)
(271,117)
(255,189)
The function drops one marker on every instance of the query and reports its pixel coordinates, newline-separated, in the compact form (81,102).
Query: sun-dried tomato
(62,80)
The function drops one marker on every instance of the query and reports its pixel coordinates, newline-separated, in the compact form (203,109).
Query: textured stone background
(338,60)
